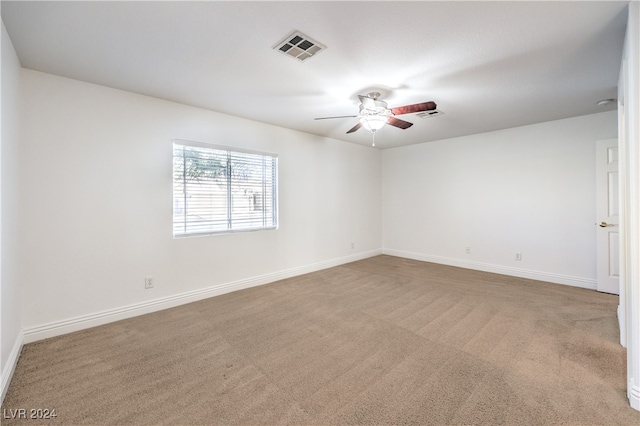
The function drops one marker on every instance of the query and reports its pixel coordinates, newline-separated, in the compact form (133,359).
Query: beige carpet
(379,341)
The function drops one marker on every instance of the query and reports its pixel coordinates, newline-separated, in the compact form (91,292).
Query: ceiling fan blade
(408,109)
(354,128)
(396,122)
(338,116)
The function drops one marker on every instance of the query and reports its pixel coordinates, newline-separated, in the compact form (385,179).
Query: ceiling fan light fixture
(373,123)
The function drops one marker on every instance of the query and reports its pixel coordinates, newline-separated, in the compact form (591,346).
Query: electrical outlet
(467,250)
(148,282)
(518,256)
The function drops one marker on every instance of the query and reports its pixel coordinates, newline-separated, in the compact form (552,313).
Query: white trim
(630,131)
(621,323)
(207,145)
(624,196)
(634,395)
(497,269)
(10,366)
(43,331)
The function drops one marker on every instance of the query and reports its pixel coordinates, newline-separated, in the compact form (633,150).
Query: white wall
(529,189)
(629,105)
(10,306)
(97,205)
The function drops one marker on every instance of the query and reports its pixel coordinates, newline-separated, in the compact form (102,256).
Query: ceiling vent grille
(432,113)
(299,46)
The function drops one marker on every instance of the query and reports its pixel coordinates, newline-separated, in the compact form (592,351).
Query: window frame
(272,218)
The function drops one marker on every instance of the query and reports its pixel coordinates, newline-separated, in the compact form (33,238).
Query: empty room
(319,213)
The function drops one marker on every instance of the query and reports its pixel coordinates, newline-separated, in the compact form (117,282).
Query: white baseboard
(633,392)
(497,269)
(43,331)
(10,367)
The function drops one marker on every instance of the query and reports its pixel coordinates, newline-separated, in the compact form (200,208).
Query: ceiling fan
(374,113)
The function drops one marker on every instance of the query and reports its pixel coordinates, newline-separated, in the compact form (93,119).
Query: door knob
(605,224)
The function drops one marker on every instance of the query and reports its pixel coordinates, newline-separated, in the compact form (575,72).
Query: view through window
(220,189)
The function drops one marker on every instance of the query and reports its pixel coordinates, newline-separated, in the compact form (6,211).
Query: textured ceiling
(488,65)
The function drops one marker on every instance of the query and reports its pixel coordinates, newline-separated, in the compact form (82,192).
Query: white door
(607,196)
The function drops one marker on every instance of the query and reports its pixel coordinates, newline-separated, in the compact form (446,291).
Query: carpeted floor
(380,341)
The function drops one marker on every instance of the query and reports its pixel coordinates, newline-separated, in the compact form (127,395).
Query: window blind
(220,189)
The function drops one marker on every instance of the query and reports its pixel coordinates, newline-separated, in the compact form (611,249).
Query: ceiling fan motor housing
(374,107)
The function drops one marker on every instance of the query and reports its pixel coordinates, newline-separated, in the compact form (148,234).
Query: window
(219,189)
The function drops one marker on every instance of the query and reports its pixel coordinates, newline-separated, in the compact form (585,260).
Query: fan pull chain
(373,138)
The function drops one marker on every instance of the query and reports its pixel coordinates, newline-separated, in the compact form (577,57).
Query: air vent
(299,46)
(432,113)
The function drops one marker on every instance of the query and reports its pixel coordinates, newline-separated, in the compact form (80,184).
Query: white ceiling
(488,65)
